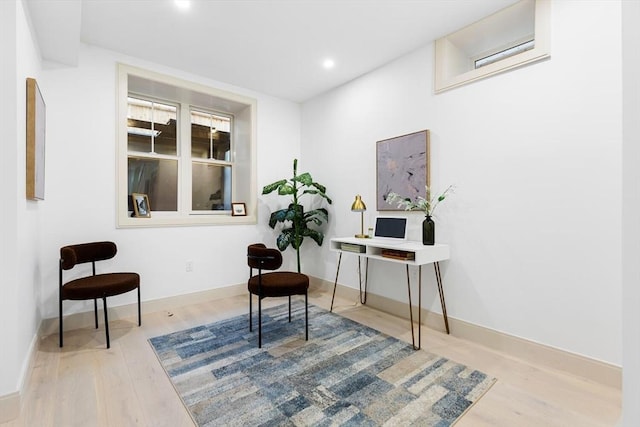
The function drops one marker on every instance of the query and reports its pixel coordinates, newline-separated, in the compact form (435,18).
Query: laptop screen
(391,228)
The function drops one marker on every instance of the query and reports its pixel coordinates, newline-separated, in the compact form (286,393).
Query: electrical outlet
(189,266)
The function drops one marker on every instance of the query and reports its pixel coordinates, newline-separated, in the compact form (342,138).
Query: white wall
(21,219)
(81,189)
(8,190)
(536,156)
(631,207)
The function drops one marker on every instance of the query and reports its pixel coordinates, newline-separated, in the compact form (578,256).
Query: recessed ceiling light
(328,63)
(183,4)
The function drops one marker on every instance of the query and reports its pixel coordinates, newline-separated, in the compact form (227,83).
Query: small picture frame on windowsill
(238,209)
(141,206)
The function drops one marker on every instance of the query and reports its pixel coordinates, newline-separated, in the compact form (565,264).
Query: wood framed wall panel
(35,142)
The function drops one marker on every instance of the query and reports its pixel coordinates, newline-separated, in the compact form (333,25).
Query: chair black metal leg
(106,321)
(250,311)
(139,311)
(95,311)
(259,322)
(289,308)
(306,317)
(60,316)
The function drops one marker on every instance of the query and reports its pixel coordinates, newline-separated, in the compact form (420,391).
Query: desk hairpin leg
(413,339)
(436,266)
(363,297)
(335,284)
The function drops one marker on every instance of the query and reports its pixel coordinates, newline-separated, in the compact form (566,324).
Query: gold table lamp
(359,206)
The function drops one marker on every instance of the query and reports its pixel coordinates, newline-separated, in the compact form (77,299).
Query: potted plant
(294,220)
(427,205)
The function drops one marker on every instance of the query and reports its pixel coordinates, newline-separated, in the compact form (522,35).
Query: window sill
(516,61)
(193,220)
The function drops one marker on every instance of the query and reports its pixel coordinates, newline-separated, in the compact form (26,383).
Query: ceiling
(276,47)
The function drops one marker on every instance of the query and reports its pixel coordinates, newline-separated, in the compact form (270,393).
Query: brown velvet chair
(273,284)
(97,285)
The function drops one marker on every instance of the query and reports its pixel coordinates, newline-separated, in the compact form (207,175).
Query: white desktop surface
(424,254)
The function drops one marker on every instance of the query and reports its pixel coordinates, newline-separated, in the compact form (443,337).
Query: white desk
(421,255)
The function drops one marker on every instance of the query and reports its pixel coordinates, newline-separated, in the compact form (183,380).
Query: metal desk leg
(413,340)
(436,266)
(363,297)
(335,284)
(419,306)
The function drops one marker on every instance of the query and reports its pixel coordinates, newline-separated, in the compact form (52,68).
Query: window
(190,148)
(152,158)
(512,37)
(510,51)
(211,164)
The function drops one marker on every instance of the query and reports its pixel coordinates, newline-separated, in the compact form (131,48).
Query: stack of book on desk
(395,254)
(350,247)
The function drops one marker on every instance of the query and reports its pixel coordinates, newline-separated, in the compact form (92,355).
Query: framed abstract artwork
(402,166)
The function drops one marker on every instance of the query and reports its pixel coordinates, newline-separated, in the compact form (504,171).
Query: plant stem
(296,219)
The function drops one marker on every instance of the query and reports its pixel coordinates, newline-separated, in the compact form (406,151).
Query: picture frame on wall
(35,144)
(402,167)
(141,205)
(238,209)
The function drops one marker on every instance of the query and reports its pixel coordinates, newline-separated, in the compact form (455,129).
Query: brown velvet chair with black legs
(273,284)
(95,286)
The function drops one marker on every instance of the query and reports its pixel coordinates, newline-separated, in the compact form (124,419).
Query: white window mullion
(211,128)
(153,128)
(184,145)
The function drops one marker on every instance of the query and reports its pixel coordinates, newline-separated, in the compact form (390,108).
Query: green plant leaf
(286,189)
(317,236)
(283,240)
(273,186)
(320,187)
(296,241)
(305,179)
(281,216)
(317,216)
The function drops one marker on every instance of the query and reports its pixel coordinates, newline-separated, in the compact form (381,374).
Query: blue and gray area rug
(347,374)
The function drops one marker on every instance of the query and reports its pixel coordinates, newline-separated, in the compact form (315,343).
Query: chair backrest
(86,252)
(263,258)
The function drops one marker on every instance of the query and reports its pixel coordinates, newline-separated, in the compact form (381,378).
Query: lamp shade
(358,205)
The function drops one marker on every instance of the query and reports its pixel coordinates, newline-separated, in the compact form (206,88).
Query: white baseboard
(530,351)
(11,403)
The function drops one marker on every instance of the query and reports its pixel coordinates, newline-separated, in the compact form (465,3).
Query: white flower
(428,205)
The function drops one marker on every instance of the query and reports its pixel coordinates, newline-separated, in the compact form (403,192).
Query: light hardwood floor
(84,384)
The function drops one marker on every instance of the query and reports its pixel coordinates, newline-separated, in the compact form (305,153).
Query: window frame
(448,56)
(155,86)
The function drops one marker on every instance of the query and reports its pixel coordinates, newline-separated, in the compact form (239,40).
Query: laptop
(390,230)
